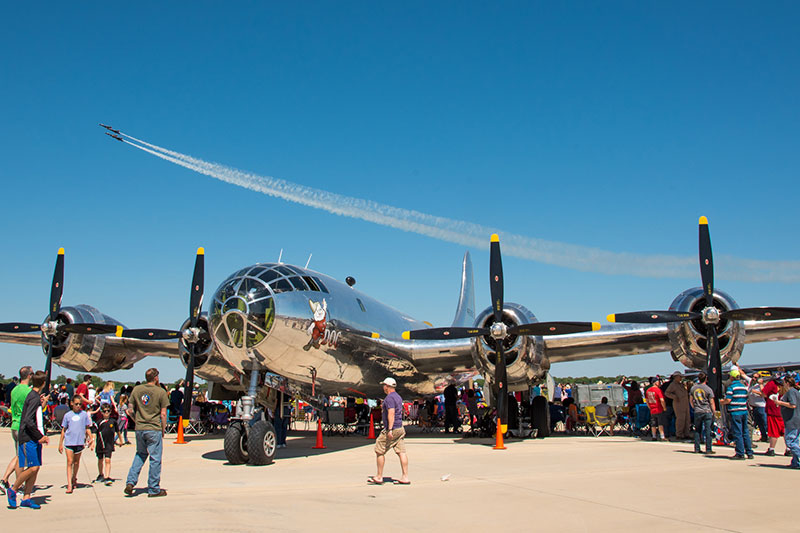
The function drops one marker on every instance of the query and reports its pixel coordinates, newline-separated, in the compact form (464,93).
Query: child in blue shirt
(75,433)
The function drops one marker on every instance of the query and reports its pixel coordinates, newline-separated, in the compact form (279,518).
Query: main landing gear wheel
(540,417)
(262,443)
(236,444)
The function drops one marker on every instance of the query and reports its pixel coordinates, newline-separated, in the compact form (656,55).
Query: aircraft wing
(610,341)
(617,339)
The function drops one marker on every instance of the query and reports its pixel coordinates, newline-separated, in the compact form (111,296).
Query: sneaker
(751,456)
(99,479)
(697,450)
(738,457)
(710,452)
(108,481)
(128,489)
(30,503)
(12,498)
(770,453)
(787,453)
(158,494)
(4,484)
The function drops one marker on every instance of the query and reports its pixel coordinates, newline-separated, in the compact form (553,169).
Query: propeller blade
(653,317)
(706,262)
(57,290)
(196,297)
(553,328)
(187,390)
(48,365)
(500,379)
(761,313)
(89,329)
(19,327)
(444,333)
(496,278)
(195,306)
(148,334)
(714,371)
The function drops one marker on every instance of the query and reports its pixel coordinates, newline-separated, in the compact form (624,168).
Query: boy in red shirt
(658,405)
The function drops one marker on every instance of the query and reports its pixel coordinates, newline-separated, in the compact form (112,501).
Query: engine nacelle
(525,356)
(88,353)
(208,362)
(688,339)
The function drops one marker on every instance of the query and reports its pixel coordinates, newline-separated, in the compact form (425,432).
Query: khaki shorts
(398,442)
(16,441)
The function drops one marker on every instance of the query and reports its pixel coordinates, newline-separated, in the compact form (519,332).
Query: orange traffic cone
(371,432)
(319,445)
(499,440)
(180,431)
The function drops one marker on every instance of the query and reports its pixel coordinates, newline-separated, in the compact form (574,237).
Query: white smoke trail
(577,257)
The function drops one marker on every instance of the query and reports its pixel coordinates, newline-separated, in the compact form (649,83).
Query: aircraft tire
(262,443)
(236,444)
(540,417)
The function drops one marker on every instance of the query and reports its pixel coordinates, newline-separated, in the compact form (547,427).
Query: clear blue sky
(614,126)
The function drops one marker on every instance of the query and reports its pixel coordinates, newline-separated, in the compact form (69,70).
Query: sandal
(69,490)
(373,481)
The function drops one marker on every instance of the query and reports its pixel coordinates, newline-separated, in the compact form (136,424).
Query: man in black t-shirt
(451,409)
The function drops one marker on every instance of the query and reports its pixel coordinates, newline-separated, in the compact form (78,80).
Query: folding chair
(591,420)
(172,422)
(194,426)
(605,424)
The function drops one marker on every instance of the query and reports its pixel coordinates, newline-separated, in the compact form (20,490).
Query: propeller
(499,330)
(52,326)
(711,316)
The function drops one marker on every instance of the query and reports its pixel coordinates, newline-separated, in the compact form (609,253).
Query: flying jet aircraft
(110,128)
(117,137)
(275,326)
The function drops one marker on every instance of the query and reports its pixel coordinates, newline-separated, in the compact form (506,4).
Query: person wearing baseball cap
(392,435)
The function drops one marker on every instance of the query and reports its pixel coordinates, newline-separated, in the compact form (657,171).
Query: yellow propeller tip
(201,251)
(407,335)
(60,251)
(611,318)
(376,335)
(118,333)
(495,237)
(703,221)
(595,326)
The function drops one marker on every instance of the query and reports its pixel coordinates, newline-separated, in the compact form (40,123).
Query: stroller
(486,426)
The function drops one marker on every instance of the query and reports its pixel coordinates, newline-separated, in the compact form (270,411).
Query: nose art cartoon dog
(317,329)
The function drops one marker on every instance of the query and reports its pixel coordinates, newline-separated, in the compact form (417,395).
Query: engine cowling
(525,356)
(88,353)
(688,339)
(208,362)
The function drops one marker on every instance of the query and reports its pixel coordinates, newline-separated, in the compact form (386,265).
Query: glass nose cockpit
(243,309)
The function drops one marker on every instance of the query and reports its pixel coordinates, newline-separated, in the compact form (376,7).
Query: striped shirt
(737,394)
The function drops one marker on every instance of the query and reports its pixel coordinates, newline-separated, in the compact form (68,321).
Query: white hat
(390,382)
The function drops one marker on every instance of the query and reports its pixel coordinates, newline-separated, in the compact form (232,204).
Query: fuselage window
(321,285)
(361,305)
(280,285)
(311,284)
(298,283)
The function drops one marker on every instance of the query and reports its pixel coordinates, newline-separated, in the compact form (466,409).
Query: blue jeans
(741,434)
(792,438)
(148,443)
(703,423)
(281,427)
(760,418)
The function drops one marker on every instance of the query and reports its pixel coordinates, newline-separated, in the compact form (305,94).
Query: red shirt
(772,408)
(654,398)
(83,390)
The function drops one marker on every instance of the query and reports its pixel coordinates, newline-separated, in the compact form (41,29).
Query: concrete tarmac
(566,483)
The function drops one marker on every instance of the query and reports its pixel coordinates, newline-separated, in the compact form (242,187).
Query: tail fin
(465,314)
